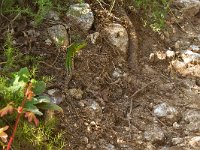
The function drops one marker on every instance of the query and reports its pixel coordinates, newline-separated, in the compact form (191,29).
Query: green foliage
(11,6)
(43,137)
(155,12)
(12,89)
(44,6)
(71,51)
(9,51)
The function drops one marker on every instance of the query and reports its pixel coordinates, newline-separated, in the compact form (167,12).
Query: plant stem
(20,110)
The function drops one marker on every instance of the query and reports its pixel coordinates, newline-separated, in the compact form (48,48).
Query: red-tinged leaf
(6,110)
(19,109)
(3,135)
(31,117)
(29,93)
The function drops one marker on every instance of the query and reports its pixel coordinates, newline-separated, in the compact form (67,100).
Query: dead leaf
(6,110)
(3,135)
(31,117)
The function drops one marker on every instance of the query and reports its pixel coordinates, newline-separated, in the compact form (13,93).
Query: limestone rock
(167,113)
(59,35)
(55,95)
(189,8)
(192,117)
(76,93)
(81,15)
(154,134)
(117,36)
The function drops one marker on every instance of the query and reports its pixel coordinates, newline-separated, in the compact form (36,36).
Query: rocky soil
(110,101)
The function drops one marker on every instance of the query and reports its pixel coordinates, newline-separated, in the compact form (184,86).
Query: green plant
(43,7)
(11,6)
(155,12)
(24,94)
(42,137)
(9,51)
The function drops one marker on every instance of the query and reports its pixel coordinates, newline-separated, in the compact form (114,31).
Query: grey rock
(181,44)
(117,36)
(194,142)
(170,54)
(179,66)
(53,15)
(189,56)
(117,73)
(152,57)
(81,15)
(195,48)
(104,145)
(168,113)
(108,147)
(149,146)
(92,110)
(161,55)
(176,141)
(164,148)
(192,117)
(154,134)
(176,125)
(48,42)
(59,35)
(93,37)
(76,93)
(55,95)
(189,8)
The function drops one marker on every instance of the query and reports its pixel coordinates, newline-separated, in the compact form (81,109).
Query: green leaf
(38,87)
(29,106)
(71,50)
(17,85)
(23,74)
(41,99)
(49,106)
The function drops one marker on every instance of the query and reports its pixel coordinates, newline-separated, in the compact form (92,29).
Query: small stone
(55,96)
(195,142)
(76,93)
(152,57)
(85,140)
(81,103)
(192,117)
(149,146)
(93,37)
(168,113)
(170,54)
(176,125)
(117,73)
(81,15)
(195,48)
(154,134)
(179,66)
(52,15)
(108,147)
(117,36)
(161,55)
(48,42)
(176,141)
(189,8)
(93,111)
(59,35)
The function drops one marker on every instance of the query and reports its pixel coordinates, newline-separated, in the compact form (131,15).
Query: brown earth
(123,105)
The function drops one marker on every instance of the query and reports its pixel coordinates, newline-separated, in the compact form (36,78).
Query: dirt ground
(112,111)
